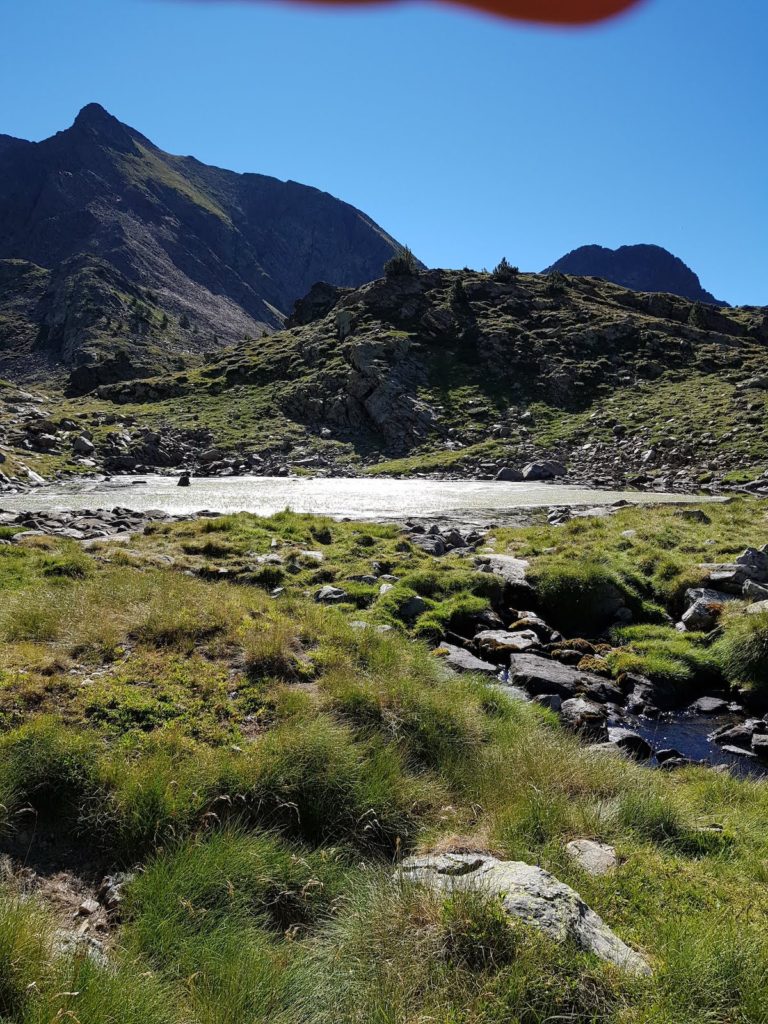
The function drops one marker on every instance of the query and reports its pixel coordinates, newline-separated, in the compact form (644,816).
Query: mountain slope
(463,373)
(148,255)
(644,268)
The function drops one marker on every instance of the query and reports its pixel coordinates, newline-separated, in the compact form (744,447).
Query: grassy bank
(259,763)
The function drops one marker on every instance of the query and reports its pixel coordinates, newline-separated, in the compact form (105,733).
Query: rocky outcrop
(529,894)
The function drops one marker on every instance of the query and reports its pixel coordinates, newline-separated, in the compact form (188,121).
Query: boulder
(630,741)
(754,591)
(709,706)
(498,644)
(83,446)
(509,475)
(760,744)
(694,594)
(546,470)
(755,563)
(592,857)
(735,736)
(586,718)
(529,894)
(549,700)
(758,608)
(702,616)
(694,515)
(431,545)
(413,607)
(330,595)
(463,661)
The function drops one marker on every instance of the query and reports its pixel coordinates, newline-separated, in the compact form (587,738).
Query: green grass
(743,650)
(261,765)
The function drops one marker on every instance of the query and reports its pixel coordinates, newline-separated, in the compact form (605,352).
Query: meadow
(181,708)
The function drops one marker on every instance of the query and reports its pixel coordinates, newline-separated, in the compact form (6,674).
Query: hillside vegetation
(464,373)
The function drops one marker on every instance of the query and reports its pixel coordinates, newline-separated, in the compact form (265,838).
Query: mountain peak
(97,122)
(93,114)
(643,268)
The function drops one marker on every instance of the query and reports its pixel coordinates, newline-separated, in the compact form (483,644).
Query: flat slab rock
(512,570)
(530,894)
(593,857)
(541,675)
(462,661)
(501,641)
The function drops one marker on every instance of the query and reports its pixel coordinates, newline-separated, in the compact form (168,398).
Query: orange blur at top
(563,12)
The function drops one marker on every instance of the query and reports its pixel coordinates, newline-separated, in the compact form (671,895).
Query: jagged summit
(93,114)
(644,268)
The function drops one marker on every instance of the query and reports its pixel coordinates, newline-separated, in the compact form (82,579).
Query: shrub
(402,264)
(73,564)
(504,271)
(310,779)
(232,875)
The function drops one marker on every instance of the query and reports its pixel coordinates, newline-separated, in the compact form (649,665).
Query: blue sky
(465,137)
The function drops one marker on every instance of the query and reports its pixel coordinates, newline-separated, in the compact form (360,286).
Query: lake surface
(468,501)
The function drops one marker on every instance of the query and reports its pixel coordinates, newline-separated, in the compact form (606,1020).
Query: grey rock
(694,594)
(586,718)
(330,595)
(499,643)
(83,446)
(758,608)
(512,570)
(541,675)
(668,754)
(737,735)
(529,894)
(702,616)
(630,741)
(546,470)
(729,748)
(463,661)
(431,545)
(549,700)
(695,515)
(754,591)
(709,706)
(413,607)
(592,857)
(509,475)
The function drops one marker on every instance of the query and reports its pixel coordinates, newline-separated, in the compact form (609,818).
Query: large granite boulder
(529,894)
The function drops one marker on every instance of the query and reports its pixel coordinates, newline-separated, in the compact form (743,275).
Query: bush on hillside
(504,271)
(402,264)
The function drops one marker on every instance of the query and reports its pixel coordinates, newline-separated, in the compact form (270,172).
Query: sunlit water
(358,498)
